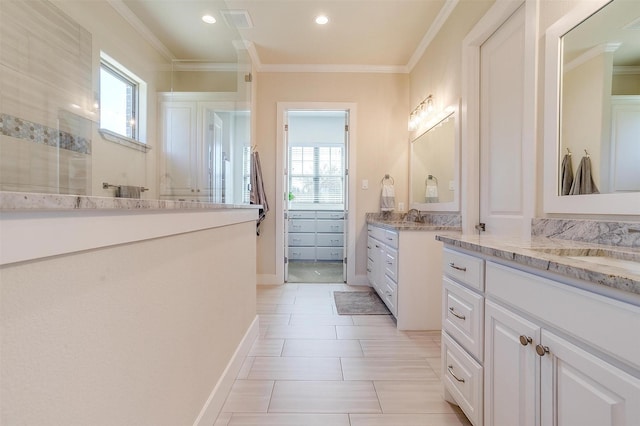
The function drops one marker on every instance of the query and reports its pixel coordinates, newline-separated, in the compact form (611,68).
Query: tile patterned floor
(312,367)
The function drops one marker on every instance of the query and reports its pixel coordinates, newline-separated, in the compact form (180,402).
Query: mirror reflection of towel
(387,198)
(126,191)
(566,178)
(583,182)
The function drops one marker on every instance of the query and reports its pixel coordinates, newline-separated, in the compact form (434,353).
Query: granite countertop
(552,254)
(430,222)
(26,201)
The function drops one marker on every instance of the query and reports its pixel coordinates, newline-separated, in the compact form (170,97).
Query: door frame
(281,156)
(497,15)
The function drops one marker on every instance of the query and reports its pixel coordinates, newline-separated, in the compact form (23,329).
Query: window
(121,96)
(316,174)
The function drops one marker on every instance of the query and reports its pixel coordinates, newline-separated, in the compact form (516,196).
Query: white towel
(387,198)
(431,194)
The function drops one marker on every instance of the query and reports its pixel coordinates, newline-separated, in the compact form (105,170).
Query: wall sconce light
(420,112)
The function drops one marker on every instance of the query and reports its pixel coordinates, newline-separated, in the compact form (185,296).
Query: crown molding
(336,68)
(590,54)
(621,70)
(432,32)
(141,28)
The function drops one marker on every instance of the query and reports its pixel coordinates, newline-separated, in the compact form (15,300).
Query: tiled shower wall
(46,100)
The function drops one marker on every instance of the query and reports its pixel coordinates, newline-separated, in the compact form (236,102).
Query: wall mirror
(592,110)
(434,170)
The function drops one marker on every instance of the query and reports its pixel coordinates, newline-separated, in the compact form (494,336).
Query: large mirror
(434,170)
(592,116)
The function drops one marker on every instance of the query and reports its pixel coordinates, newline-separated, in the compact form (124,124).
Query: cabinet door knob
(457,315)
(542,350)
(453,265)
(450,369)
(525,340)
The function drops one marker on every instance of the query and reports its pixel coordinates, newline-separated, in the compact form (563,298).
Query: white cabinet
(558,351)
(404,267)
(316,235)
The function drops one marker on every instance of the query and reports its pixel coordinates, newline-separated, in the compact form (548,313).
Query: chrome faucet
(413,215)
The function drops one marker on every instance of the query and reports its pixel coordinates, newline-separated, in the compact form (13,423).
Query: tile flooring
(310,366)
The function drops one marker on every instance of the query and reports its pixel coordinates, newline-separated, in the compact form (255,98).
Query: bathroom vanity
(403,266)
(541,332)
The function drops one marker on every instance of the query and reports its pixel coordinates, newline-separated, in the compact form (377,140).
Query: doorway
(315,178)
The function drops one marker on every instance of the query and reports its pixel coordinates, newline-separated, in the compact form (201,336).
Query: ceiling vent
(239,19)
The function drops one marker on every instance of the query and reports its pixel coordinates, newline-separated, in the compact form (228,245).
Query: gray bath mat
(359,303)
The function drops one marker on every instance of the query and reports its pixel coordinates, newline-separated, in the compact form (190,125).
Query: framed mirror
(434,175)
(592,110)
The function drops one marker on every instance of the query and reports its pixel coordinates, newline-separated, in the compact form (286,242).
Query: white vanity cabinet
(558,355)
(316,235)
(403,266)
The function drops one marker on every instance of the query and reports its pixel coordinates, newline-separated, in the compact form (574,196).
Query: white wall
(136,333)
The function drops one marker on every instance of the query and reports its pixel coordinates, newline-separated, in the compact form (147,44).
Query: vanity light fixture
(321,20)
(420,113)
(209,19)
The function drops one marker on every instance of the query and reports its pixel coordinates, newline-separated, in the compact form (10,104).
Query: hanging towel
(566,171)
(126,191)
(583,182)
(257,195)
(387,197)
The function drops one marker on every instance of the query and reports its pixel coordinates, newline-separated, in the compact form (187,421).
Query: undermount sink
(629,261)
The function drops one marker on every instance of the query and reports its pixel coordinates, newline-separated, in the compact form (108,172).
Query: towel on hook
(257,194)
(387,197)
(583,182)
(566,171)
(127,191)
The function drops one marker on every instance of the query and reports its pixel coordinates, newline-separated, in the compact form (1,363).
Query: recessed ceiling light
(209,19)
(321,20)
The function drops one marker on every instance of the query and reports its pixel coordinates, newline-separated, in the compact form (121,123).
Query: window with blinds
(316,175)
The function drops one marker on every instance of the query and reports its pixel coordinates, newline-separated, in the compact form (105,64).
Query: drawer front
(371,247)
(301,240)
(330,240)
(330,225)
(370,271)
(302,253)
(462,377)
(464,268)
(376,232)
(391,238)
(302,214)
(302,225)
(390,291)
(329,253)
(463,316)
(329,215)
(391,263)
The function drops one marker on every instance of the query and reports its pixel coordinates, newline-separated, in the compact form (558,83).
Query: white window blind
(316,174)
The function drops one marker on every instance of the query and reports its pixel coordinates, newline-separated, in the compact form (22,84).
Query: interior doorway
(315,182)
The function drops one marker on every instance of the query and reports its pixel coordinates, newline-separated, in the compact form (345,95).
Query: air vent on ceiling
(237,18)
(633,25)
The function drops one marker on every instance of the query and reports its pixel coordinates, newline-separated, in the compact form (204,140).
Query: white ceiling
(374,35)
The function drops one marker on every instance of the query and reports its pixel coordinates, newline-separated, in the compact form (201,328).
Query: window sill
(123,140)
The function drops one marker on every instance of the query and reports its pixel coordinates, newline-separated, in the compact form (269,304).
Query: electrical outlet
(451,185)
(365,184)
(400,206)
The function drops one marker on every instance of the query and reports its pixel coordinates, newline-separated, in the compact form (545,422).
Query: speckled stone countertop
(26,201)
(429,222)
(552,254)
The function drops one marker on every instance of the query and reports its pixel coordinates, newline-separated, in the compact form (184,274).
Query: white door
(625,134)
(502,104)
(578,388)
(179,156)
(345,186)
(510,368)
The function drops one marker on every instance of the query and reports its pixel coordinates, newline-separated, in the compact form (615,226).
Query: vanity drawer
(371,247)
(298,240)
(329,253)
(370,271)
(330,240)
(463,316)
(299,253)
(330,225)
(464,268)
(330,215)
(376,232)
(302,214)
(462,377)
(302,225)
(390,238)
(391,263)
(390,296)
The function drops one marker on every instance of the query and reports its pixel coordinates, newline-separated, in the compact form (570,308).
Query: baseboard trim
(212,407)
(268,279)
(359,280)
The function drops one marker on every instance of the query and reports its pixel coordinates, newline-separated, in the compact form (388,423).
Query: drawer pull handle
(459,268)
(450,369)
(368,269)
(462,317)
(377,246)
(542,350)
(525,340)
(389,263)
(369,247)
